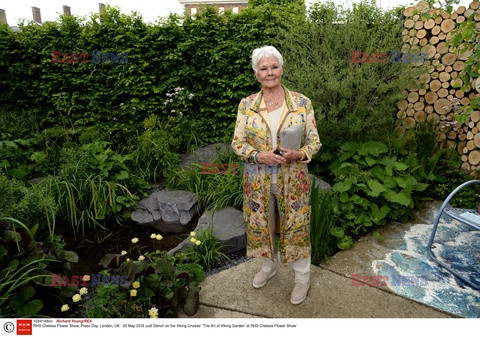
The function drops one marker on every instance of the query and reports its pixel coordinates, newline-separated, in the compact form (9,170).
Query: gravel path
(236,259)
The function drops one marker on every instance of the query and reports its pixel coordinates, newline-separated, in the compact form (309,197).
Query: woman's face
(269,72)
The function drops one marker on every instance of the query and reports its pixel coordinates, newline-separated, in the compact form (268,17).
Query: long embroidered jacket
(252,132)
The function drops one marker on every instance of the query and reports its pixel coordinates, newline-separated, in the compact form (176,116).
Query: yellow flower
(86,278)
(141,258)
(153,236)
(124,252)
(65,307)
(192,240)
(83,291)
(134,240)
(198,242)
(159,237)
(153,312)
(193,233)
(133,293)
(136,284)
(76,298)
(255,185)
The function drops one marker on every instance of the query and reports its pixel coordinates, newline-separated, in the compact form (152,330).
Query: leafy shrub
(156,149)
(352,101)
(33,206)
(373,186)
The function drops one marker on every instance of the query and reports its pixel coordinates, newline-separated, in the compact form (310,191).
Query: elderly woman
(276,183)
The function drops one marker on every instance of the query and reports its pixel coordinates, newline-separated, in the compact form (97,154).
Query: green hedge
(208,56)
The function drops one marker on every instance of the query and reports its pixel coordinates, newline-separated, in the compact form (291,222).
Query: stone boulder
(168,211)
(207,153)
(228,227)
(321,185)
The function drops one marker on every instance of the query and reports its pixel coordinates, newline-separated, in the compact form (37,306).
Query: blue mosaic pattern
(455,244)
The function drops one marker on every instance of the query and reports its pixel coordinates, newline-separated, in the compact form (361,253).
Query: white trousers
(301,267)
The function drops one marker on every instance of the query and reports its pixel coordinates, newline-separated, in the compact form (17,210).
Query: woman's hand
(270,158)
(291,155)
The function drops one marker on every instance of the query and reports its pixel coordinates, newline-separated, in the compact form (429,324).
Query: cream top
(274,117)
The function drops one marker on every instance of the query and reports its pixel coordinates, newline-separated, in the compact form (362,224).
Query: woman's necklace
(274,102)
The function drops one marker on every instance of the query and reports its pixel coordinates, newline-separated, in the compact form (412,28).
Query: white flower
(141,258)
(198,242)
(193,240)
(159,237)
(124,252)
(65,307)
(153,236)
(83,291)
(76,297)
(134,240)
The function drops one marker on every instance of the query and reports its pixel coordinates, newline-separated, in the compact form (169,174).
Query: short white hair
(263,53)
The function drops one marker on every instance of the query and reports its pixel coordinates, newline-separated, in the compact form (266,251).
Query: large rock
(228,227)
(321,185)
(208,153)
(167,211)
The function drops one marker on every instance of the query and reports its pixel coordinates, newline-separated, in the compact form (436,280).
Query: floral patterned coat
(252,132)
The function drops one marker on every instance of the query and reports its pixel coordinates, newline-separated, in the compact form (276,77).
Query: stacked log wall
(436,95)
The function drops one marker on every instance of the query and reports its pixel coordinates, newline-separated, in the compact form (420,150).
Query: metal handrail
(434,230)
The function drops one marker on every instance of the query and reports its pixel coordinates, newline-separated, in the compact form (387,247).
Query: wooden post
(36,15)
(67,11)
(3,16)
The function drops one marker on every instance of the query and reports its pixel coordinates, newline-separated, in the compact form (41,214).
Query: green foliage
(253,3)
(214,190)
(103,162)
(159,281)
(352,101)
(33,206)
(89,202)
(26,266)
(209,56)
(94,185)
(465,39)
(439,167)
(207,252)
(156,150)
(322,220)
(373,187)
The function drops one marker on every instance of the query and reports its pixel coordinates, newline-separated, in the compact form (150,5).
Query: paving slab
(205,311)
(330,295)
(336,292)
